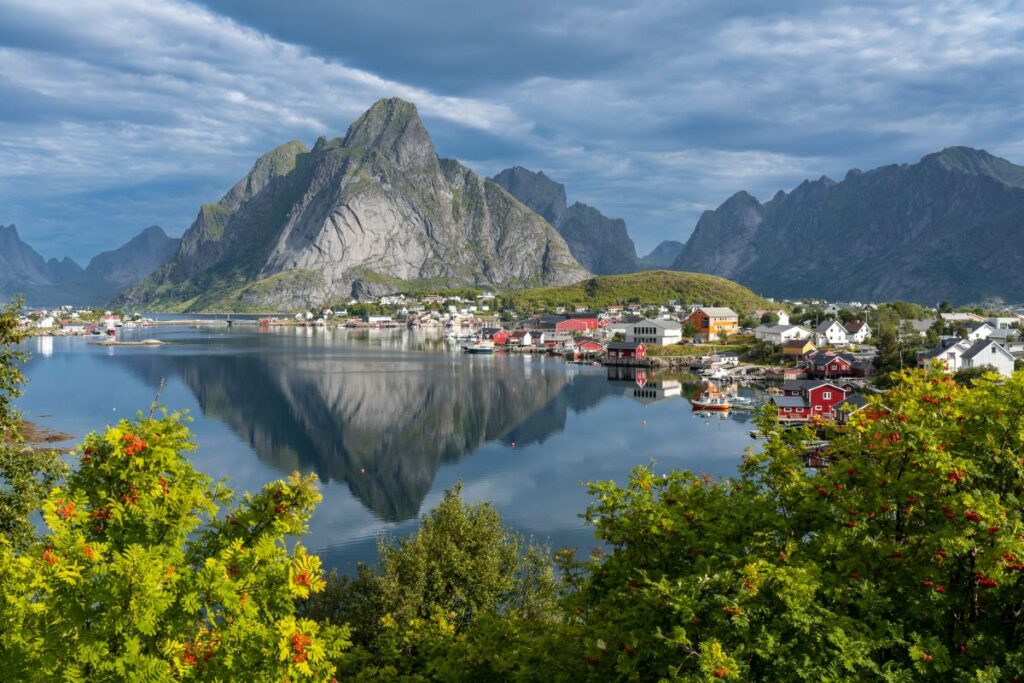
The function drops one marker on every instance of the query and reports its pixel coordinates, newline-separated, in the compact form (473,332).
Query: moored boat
(709,402)
(480,347)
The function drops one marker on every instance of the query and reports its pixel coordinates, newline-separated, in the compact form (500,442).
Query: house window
(818,408)
(827,395)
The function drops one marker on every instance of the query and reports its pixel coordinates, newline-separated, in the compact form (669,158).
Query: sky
(119,114)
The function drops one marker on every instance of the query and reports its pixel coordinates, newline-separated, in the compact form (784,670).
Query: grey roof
(944,345)
(919,325)
(855,326)
(853,401)
(790,401)
(719,311)
(656,322)
(980,346)
(775,329)
(804,384)
(825,324)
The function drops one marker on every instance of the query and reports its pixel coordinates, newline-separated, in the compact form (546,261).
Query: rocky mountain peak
(536,190)
(976,162)
(393,128)
(278,162)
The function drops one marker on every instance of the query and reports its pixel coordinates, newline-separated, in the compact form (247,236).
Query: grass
(652,287)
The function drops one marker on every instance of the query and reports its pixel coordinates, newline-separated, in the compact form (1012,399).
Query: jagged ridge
(948,227)
(371,212)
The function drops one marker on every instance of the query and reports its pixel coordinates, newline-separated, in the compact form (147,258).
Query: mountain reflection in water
(389,419)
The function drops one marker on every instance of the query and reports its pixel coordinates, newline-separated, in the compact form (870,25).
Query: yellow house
(712,321)
(798,347)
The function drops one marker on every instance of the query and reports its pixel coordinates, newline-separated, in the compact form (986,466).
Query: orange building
(711,322)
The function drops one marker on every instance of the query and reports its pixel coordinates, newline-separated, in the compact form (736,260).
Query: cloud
(652,112)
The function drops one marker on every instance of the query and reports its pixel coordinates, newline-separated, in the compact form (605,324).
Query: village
(820,358)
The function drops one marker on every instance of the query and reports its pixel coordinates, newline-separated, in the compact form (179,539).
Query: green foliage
(11,358)
(900,561)
(460,575)
(648,287)
(138,579)
(26,473)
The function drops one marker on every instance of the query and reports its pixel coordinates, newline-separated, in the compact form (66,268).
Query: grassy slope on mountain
(648,287)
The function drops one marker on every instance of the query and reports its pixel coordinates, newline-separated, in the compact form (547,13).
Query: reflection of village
(726,399)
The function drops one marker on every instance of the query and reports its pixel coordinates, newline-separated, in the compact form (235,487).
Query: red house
(577,324)
(803,398)
(589,345)
(497,335)
(627,350)
(827,364)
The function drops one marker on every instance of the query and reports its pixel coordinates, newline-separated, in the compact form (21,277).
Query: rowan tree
(138,578)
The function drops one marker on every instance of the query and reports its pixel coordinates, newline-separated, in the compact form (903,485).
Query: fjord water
(388,419)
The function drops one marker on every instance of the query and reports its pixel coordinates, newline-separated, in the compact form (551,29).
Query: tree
(462,567)
(138,579)
(901,560)
(770,318)
(945,307)
(689,329)
(26,473)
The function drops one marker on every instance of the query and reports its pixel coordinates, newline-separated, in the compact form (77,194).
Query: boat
(711,403)
(480,347)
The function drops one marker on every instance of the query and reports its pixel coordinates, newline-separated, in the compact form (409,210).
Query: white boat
(480,347)
(708,402)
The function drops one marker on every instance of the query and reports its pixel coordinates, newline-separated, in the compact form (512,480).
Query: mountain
(601,244)
(369,213)
(23,271)
(948,227)
(663,256)
(132,262)
(653,287)
(56,282)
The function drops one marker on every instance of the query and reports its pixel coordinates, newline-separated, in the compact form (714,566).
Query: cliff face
(949,227)
(601,244)
(374,211)
(132,262)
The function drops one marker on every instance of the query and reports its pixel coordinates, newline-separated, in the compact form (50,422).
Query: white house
(46,321)
(857,331)
(988,354)
(654,332)
(1003,322)
(978,331)
(780,334)
(780,315)
(950,353)
(829,332)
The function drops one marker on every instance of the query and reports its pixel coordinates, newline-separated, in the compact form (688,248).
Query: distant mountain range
(49,283)
(949,227)
(378,211)
(369,213)
(601,244)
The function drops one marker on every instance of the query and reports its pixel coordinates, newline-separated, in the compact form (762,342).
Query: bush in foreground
(138,579)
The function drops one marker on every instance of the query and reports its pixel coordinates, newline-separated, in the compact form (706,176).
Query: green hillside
(648,287)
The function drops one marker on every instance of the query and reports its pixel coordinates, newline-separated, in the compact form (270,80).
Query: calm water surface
(388,420)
